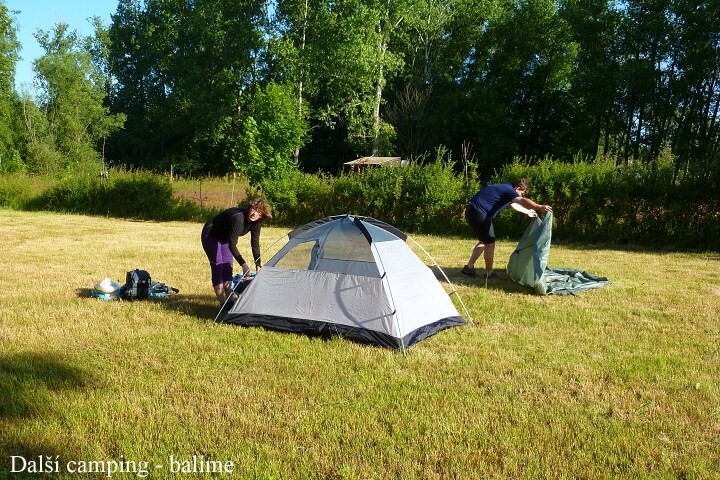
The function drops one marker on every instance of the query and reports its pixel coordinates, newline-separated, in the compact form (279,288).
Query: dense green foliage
(489,80)
(16,191)
(69,120)
(271,130)
(594,202)
(139,195)
(418,197)
(10,128)
(180,72)
(221,85)
(598,202)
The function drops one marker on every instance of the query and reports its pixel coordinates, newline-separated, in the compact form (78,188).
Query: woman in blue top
(481,210)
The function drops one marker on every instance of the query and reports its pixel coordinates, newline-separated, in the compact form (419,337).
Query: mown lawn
(619,382)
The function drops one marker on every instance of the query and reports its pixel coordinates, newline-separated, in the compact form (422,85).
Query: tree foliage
(181,69)
(488,80)
(271,129)
(73,118)
(9,133)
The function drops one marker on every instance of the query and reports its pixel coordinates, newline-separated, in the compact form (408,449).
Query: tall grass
(140,195)
(619,382)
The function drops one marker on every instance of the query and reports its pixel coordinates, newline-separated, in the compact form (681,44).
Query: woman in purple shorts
(220,237)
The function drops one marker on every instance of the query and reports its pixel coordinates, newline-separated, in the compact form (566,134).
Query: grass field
(619,382)
(211,192)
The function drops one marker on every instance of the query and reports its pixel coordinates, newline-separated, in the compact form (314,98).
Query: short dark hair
(522,184)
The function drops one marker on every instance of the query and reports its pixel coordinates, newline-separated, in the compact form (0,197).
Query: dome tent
(352,276)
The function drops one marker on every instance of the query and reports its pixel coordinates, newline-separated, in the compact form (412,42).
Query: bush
(15,190)
(594,201)
(10,162)
(298,198)
(139,195)
(601,202)
(427,198)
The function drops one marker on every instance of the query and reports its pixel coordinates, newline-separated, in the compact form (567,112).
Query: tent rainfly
(351,276)
(528,264)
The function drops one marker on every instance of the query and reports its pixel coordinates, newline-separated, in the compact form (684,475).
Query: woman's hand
(543,209)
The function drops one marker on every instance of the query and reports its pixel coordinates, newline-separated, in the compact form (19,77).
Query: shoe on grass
(469,271)
(491,276)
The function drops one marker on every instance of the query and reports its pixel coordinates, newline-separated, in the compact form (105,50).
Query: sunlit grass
(619,382)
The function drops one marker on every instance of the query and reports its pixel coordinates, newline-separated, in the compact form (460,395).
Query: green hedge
(125,194)
(641,204)
(416,198)
(594,202)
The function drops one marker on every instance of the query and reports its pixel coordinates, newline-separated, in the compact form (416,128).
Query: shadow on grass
(26,379)
(84,292)
(502,282)
(27,383)
(202,307)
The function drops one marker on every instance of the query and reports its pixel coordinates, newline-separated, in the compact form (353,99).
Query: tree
(271,130)
(434,41)
(337,57)
(510,67)
(595,120)
(695,86)
(291,24)
(72,104)
(9,132)
(181,69)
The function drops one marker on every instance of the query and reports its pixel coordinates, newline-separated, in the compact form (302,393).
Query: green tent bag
(528,264)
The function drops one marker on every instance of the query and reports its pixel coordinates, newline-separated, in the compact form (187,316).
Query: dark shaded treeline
(213,85)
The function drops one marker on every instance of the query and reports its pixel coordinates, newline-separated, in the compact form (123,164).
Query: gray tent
(528,264)
(351,276)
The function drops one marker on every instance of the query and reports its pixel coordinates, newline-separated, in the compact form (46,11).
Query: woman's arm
(255,244)
(527,203)
(527,211)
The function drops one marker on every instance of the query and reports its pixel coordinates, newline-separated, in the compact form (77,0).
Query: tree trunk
(301,75)
(378,92)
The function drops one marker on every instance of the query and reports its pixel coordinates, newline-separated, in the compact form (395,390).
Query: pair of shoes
(469,271)
(491,276)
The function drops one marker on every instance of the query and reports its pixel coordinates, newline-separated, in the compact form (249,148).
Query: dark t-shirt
(228,226)
(493,199)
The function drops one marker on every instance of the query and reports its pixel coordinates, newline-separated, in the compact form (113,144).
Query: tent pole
(222,306)
(271,245)
(454,290)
